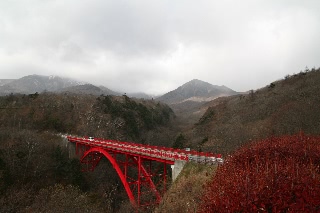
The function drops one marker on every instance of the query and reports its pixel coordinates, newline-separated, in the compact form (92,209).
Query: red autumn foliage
(279,174)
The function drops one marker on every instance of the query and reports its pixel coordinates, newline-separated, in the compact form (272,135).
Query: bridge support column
(177,168)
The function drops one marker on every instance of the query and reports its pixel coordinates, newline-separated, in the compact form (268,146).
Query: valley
(35,163)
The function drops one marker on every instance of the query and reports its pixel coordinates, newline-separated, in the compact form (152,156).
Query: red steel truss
(150,162)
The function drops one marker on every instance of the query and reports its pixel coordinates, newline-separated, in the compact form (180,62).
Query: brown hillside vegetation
(279,174)
(283,107)
(185,194)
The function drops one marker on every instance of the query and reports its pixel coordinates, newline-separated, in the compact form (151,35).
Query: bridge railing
(166,153)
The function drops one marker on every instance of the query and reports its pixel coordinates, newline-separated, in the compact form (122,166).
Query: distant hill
(107,91)
(5,81)
(88,89)
(37,83)
(141,95)
(197,91)
(283,107)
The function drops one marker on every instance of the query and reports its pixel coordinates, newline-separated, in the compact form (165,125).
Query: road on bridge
(157,153)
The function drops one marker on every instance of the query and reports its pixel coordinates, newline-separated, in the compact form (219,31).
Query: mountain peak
(197,83)
(196,90)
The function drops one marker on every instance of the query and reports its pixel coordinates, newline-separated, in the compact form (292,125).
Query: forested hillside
(36,173)
(111,117)
(283,107)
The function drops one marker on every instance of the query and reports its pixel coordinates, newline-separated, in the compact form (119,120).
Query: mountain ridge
(195,90)
(37,83)
(89,89)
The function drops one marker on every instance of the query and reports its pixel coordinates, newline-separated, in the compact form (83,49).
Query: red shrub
(274,175)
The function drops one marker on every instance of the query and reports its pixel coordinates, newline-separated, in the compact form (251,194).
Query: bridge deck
(163,154)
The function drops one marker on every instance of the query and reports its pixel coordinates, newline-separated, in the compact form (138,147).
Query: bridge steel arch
(94,151)
(145,187)
(137,188)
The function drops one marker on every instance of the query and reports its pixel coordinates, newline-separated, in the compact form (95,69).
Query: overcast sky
(157,45)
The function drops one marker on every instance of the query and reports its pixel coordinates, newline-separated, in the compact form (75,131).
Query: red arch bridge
(150,162)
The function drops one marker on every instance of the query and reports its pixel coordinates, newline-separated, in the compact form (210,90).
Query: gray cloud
(155,46)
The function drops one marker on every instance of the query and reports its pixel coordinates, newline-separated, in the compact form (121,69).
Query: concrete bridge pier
(177,168)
